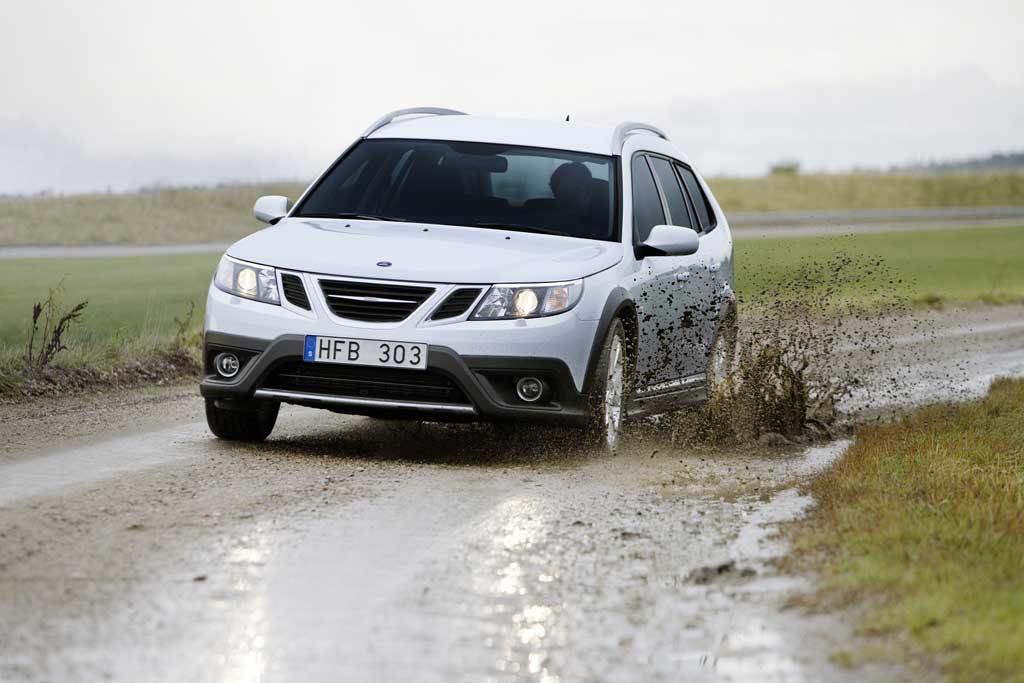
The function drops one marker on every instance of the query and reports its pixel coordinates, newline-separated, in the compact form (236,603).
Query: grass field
(933,268)
(225,214)
(867,191)
(924,519)
(132,296)
(128,297)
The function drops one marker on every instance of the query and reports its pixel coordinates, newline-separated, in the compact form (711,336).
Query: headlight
(247,280)
(507,302)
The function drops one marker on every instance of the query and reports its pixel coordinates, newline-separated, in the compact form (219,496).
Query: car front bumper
(470,387)
(477,362)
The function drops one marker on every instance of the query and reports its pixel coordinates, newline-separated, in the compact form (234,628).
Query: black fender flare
(726,304)
(617,304)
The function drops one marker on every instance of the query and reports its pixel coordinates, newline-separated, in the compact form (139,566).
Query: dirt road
(133,546)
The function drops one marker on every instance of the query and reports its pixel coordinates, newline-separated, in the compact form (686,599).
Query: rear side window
(673,193)
(705,214)
(647,211)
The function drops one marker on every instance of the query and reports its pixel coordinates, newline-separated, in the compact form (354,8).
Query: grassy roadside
(923,520)
(224,214)
(129,297)
(135,329)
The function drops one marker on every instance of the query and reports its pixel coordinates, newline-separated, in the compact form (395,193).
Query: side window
(705,214)
(647,211)
(680,215)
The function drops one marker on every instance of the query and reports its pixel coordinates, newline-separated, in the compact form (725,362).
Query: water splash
(788,368)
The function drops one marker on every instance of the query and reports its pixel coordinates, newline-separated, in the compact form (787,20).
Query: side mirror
(270,209)
(670,240)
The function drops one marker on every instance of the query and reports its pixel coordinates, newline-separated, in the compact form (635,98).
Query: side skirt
(668,396)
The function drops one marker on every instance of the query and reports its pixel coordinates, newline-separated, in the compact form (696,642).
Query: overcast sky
(104,94)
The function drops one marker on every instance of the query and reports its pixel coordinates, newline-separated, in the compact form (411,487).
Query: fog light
(531,389)
(226,365)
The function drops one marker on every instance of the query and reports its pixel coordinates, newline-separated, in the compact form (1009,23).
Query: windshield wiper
(521,228)
(358,216)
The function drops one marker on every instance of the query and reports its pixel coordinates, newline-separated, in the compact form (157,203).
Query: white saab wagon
(451,267)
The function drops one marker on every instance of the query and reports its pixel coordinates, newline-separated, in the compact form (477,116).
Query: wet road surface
(133,546)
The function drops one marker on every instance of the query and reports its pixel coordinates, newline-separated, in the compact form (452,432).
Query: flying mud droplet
(789,367)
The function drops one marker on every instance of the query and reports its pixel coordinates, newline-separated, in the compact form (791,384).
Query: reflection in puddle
(245,658)
(755,652)
(512,581)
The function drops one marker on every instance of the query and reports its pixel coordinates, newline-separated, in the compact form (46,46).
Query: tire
(609,391)
(249,421)
(722,354)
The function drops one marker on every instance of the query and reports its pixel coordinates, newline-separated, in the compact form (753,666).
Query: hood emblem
(384,264)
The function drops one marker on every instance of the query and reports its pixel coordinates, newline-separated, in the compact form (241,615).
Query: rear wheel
(241,420)
(607,405)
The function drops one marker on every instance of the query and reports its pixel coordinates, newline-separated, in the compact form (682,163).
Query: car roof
(562,135)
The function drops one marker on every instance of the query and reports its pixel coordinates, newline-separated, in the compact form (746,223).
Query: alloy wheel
(613,393)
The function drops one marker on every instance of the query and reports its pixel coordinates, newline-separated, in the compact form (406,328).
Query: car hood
(424,253)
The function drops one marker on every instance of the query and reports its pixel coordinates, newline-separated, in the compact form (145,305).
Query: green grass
(924,520)
(134,300)
(129,297)
(867,191)
(178,216)
(950,266)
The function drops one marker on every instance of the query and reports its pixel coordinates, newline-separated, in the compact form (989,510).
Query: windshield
(470,184)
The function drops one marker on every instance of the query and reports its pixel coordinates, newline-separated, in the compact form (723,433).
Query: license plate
(377,352)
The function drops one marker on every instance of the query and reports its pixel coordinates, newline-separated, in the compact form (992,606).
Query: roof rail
(391,116)
(627,128)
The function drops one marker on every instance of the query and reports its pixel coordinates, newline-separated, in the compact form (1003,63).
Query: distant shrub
(785,167)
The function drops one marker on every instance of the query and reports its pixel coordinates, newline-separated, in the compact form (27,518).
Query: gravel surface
(134,546)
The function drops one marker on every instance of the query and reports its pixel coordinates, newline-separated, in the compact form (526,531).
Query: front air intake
(457,303)
(294,291)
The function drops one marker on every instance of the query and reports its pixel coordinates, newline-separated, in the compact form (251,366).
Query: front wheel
(242,420)
(607,404)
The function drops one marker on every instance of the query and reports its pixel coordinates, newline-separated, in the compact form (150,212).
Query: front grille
(361,382)
(294,291)
(457,303)
(371,301)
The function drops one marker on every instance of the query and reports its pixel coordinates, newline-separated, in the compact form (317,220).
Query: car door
(695,281)
(713,254)
(669,299)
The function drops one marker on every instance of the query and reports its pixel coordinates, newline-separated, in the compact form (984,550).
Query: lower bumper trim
(485,381)
(373,403)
